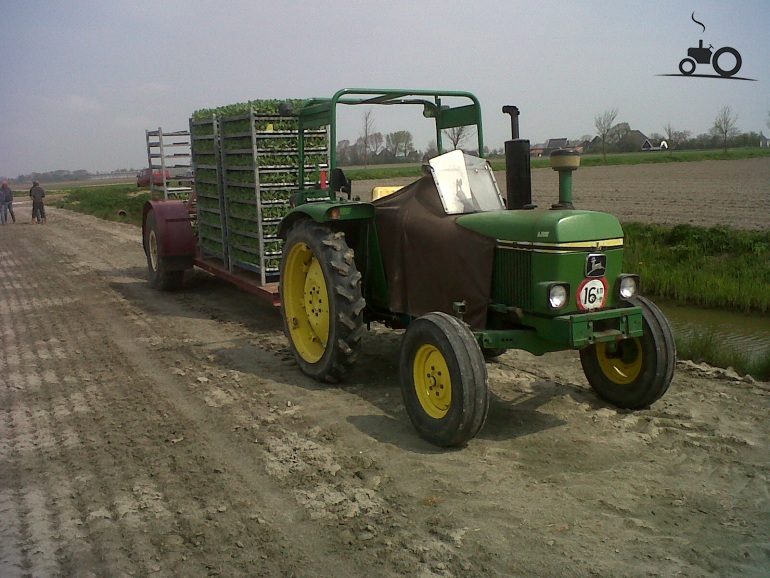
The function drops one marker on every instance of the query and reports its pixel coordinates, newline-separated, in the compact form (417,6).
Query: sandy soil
(146,433)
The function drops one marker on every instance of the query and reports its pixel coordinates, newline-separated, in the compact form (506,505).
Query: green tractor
(466,272)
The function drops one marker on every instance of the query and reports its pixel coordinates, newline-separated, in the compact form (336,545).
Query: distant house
(552,144)
(654,145)
(592,145)
(537,150)
(632,141)
(763,141)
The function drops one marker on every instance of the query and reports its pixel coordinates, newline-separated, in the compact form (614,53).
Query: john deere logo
(725,61)
(596,265)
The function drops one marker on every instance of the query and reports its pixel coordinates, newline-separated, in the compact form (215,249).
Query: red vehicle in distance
(143,177)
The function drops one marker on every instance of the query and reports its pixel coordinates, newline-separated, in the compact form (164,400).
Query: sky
(83,79)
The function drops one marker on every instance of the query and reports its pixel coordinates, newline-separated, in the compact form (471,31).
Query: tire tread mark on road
(127,380)
(291,522)
(44,436)
(31,539)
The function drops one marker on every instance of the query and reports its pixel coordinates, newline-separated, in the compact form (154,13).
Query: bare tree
(675,138)
(767,121)
(432,151)
(603,123)
(457,135)
(724,126)
(366,136)
(670,131)
(377,143)
(343,152)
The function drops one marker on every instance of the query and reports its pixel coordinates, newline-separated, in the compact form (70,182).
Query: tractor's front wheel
(633,373)
(160,277)
(444,379)
(321,301)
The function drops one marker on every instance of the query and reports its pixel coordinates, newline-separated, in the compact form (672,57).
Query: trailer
(244,169)
(467,273)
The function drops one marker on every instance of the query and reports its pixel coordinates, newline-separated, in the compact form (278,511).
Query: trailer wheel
(160,278)
(444,379)
(633,373)
(321,301)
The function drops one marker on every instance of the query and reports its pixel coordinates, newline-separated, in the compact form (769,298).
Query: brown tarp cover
(430,260)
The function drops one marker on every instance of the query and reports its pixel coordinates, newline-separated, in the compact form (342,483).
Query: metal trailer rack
(169,152)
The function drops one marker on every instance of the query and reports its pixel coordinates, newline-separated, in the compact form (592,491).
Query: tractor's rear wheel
(633,373)
(160,278)
(444,379)
(321,301)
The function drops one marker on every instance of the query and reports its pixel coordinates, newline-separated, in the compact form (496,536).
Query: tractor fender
(176,237)
(326,212)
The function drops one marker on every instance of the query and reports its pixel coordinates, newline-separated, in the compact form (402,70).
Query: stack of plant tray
(246,167)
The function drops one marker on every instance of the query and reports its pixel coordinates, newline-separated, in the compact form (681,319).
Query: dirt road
(152,434)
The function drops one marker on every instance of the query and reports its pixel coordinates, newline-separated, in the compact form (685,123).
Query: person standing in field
(6,198)
(38,208)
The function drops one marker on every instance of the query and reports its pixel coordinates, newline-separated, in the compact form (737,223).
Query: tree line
(723,134)
(61,176)
(373,147)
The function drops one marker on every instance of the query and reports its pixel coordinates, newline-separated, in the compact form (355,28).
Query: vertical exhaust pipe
(518,178)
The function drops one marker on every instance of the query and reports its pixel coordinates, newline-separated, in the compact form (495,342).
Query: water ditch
(747,333)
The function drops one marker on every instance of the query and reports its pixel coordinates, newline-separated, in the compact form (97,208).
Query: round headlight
(628,287)
(557,296)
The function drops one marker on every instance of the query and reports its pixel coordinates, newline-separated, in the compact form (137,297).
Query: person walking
(6,198)
(38,208)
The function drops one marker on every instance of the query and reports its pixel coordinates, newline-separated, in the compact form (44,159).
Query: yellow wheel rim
(432,382)
(306,303)
(622,367)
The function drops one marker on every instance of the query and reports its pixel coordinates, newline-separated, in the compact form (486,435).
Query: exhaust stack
(518,179)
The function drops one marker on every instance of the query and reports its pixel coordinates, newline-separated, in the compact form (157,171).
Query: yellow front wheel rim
(306,303)
(432,381)
(622,367)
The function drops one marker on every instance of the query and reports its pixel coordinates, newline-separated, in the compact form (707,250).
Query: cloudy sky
(83,79)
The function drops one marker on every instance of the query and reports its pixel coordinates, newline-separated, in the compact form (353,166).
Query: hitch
(459,307)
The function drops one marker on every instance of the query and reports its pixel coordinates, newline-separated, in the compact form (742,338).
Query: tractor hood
(544,227)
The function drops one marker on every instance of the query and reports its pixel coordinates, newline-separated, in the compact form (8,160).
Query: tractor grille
(512,278)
